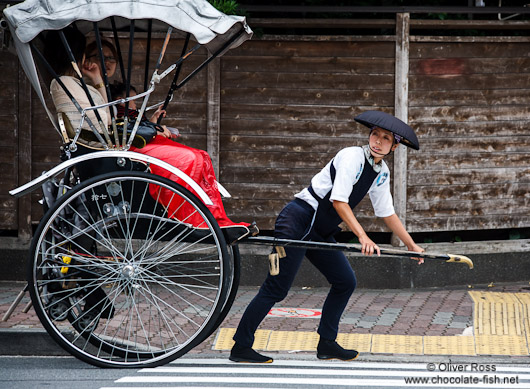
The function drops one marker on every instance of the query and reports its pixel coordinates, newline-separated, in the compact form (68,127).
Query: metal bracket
(510,16)
(5,35)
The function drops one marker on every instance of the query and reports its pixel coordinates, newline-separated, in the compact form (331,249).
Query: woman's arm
(92,72)
(346,214)
(154,117)
(397,228)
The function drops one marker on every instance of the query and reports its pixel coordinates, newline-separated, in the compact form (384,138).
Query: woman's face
(110,61)
(381,142)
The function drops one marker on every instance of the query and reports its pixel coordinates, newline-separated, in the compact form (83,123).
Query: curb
(28,342)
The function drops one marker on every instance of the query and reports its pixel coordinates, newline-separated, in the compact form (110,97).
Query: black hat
(388,122)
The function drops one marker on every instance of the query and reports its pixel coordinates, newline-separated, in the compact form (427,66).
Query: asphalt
(427,313)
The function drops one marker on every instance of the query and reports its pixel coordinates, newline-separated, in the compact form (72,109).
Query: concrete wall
(494,262)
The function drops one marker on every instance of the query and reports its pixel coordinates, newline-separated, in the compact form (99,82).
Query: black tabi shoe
(247,355)
(329,349)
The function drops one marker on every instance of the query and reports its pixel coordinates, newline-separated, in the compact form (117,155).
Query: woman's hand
(166,133)
(346,214)
(92,72)
(368,246)
(414,247)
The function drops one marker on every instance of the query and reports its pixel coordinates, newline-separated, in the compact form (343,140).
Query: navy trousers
(294,222)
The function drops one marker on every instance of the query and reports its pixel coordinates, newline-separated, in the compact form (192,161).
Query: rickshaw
(117,277)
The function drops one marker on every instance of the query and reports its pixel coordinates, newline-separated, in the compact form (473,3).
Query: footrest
(233,234)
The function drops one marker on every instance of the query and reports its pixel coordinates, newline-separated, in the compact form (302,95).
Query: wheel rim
(138,286)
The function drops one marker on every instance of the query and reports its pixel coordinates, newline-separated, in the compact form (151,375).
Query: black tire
(231,296)
(117,282)
(234,285)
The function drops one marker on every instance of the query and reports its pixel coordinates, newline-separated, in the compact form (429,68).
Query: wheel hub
(128,271)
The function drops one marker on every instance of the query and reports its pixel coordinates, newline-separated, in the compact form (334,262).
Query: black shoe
(329,349)
(247,355)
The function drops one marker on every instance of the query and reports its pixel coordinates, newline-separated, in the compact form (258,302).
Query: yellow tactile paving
(501,345)
(449,345)
(501,323)
(384,344)
(397,344)
(292,340)
(359,342)
(501,327)
(224,339)
(524,299)
(262,339)
(497,313)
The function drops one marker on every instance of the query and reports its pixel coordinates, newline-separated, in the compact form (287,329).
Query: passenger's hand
(166,132)
(414,247)
(156,115)
(92,71)
(368,246)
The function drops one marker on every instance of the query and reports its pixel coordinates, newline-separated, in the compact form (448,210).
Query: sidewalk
(456,321)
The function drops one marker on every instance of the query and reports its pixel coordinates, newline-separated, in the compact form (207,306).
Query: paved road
(221,373)
(67,372)
(54,372)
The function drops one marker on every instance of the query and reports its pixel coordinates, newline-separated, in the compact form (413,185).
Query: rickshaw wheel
(235,276)
(129,270)
(234,285)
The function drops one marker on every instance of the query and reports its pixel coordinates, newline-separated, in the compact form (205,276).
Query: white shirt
(349,163)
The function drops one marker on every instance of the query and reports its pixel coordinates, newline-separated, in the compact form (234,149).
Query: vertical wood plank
(214,113)
(401,112)
(24,129)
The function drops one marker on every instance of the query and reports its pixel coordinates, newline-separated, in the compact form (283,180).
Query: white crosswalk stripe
(220,373)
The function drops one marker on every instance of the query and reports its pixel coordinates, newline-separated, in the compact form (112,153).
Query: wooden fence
(275,110)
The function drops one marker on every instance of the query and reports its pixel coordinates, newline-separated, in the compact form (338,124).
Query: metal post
(24,172)
(401,112)
(214,113)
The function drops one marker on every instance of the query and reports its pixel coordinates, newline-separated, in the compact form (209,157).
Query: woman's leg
(337,270)
(292,223)
(273,290)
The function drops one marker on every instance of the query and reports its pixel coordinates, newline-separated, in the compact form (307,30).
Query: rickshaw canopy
(205,24)
(198,17)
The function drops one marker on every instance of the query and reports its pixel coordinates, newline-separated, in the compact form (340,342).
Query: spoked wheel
(233,282)
(128,270)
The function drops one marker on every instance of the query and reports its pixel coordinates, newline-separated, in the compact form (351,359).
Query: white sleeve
(380,195)
(348,165)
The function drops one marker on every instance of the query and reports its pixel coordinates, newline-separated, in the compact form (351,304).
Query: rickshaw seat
(68,133)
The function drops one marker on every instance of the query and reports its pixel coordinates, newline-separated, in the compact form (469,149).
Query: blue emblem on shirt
(359,173)
(381,179)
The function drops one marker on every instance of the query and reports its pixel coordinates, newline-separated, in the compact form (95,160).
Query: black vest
(327,220)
